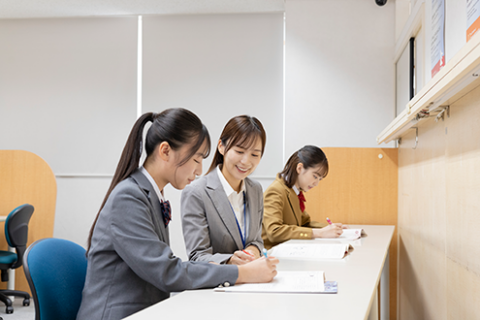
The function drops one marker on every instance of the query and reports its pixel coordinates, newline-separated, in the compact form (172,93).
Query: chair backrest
(55,271)
(16,230)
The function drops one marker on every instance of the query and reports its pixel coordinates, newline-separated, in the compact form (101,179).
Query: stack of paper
(289,282)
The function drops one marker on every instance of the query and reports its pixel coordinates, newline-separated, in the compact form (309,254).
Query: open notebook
(288,282)
(312,250)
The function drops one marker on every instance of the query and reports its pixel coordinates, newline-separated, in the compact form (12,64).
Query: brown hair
(310,157)
(176,126)
(239,131)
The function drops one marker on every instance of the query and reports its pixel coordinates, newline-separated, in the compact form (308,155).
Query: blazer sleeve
(137,243)
(195,228)
(276,205)
(257,239)
(307,222)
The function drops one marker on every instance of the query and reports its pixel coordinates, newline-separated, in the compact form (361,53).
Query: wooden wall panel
(27,178)
(438,217)
(421,224)
(463,207)
(361,188)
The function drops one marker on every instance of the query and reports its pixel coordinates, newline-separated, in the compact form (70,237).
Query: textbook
(311,250)
(288,282)
(349,234)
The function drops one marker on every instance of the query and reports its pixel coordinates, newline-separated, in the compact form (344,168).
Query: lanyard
(244,234)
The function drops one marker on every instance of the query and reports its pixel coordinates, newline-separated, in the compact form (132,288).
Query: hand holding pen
(343,226)
(260,270)
(333,230)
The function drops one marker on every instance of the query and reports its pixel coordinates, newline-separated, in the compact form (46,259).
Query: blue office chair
(16,233)
(55,271)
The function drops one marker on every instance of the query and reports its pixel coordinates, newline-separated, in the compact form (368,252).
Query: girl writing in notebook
(285,217)
(130,263)
(222,212)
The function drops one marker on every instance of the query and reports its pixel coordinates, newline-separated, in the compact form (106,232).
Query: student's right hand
(258,271)
(239,257)
(331,231)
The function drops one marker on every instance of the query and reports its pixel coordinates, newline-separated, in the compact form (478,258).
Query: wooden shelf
(459,76)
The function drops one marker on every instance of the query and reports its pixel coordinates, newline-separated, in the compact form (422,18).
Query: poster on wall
(473,17)
(438,36)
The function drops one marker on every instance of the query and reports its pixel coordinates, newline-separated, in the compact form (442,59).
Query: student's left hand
(253,250)
(240,257)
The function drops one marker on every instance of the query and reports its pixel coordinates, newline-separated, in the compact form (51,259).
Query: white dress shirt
(296,189)
(154,184)
(237,201)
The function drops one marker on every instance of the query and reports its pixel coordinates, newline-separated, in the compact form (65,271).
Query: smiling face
(308,178)
(239,162)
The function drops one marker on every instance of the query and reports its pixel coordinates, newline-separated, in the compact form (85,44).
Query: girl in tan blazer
(284,215)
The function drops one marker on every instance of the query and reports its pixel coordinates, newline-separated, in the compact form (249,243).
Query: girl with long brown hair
(222,212)
(130,263)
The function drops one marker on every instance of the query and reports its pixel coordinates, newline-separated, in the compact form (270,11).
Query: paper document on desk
(311,251)
(288,282)
(348,234)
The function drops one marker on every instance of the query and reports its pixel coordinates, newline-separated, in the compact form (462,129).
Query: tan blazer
(282,218)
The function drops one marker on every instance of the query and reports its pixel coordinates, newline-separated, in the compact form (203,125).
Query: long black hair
(310,157)
(176,126)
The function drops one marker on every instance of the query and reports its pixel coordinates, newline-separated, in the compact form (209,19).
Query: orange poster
(473,17)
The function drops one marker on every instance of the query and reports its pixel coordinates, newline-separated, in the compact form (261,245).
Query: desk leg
(385,291)
(374,309)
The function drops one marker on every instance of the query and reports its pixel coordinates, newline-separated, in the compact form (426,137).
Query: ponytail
(176,126)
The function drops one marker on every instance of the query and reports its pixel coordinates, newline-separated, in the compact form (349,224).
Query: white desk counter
(358,276)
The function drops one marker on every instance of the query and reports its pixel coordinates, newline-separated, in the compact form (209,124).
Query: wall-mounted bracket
(441,114)
(416,138)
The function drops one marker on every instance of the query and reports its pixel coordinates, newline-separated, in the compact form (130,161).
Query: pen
(251,255)
(265,253)
(328,220)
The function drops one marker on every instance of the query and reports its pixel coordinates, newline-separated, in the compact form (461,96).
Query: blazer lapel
(222,206)
(252,209)
(145,184)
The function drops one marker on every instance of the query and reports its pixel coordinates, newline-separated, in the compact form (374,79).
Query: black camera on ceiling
(380,2)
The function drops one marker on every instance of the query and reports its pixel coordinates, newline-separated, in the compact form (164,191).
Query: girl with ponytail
(284,216)
(130,263)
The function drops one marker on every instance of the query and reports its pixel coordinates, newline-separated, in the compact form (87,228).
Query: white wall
(339,72)
(340,89)
(68,94)
(218,66)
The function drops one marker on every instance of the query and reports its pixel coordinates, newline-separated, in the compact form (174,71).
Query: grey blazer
(209,226)
(130,265)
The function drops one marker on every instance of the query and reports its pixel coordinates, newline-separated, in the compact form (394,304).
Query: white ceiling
(87,8)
